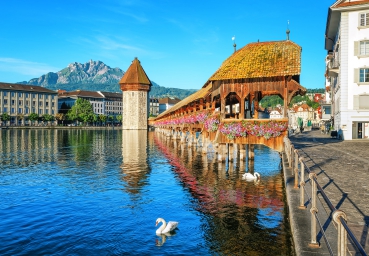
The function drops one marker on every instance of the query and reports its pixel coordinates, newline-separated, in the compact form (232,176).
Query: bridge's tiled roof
(261,59)
(202,93)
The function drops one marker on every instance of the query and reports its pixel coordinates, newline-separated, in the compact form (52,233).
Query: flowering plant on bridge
(211,124)
(233,130)
(268,130)
(202,116)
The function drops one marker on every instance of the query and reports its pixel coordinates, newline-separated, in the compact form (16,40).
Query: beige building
(19,101)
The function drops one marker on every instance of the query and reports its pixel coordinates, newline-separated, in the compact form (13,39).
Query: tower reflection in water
(135,163)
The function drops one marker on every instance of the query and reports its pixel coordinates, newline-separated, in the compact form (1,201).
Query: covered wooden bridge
(226,109)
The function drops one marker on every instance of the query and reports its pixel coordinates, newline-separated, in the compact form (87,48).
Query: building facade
(166,103)
(103,103)
(19,101)
(347,67)
(154,106)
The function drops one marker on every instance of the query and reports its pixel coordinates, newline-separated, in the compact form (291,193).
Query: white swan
(251,177)
(165,227)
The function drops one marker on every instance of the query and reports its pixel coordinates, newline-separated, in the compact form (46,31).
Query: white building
(103,103)
(347,43)
(276,113)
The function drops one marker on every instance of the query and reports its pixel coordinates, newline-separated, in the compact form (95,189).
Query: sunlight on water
(85,192)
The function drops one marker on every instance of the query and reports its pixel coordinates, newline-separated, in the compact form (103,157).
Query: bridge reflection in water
(247,217)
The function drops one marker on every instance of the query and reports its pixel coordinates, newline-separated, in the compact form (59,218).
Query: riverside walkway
(342,169)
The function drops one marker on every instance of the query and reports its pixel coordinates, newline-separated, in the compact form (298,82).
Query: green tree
(271,101)
(5,117)
(103,118)
(111,119)
(95,119)
(82,111)
(33,117)
(47,117)
(119,118)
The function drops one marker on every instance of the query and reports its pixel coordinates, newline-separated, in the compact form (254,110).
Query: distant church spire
(234,43)
(288,30)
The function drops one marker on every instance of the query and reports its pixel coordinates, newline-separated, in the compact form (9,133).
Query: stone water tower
(135,86)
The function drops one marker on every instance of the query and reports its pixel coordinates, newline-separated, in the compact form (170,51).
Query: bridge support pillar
(205,144)
(183,137)
(242,152)
(221,152)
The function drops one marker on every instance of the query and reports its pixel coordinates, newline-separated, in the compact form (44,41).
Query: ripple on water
(80,193)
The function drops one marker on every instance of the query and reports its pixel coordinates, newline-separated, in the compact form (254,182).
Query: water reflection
(134,165)
(99,192)
(241,217)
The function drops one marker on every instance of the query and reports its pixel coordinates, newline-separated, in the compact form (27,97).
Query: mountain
(96,76)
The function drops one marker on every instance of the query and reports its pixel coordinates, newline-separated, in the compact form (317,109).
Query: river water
(99,192)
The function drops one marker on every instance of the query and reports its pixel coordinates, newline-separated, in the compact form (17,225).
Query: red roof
(80,93)
(135,74)
(24,87)
(358,2)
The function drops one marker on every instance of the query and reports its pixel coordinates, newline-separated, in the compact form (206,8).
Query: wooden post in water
(221,152)
(251,163)
(242,152)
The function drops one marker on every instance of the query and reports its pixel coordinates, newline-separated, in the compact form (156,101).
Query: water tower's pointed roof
(135,74)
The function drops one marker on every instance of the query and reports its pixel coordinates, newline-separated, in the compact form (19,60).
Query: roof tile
(135,74)
(261,59)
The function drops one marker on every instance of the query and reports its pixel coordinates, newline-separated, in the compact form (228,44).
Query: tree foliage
(271,101)
(82,111)
(33,117)
(5,117)
(60,116)
(306,99)
(274,100)
(47,117)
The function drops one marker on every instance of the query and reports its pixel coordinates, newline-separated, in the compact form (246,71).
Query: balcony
(333,65)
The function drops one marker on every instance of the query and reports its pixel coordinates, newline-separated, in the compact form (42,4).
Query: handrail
(338,216)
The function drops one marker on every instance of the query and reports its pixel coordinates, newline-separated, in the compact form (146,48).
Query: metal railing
(338,216)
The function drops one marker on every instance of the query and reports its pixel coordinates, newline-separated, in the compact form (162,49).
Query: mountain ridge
(97,76)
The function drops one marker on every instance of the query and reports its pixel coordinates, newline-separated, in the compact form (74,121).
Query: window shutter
(356,48)
(356,101)
(356,75)
(366,19)
(364,101)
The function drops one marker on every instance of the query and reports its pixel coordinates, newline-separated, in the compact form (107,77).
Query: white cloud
(25,67)
(110,44)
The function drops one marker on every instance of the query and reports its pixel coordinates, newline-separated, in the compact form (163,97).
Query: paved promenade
(342,169)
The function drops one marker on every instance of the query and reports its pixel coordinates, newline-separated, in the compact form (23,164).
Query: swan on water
(165,227)
(251,177)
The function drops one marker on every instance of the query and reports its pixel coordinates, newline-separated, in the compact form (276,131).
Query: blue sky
(180,43)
